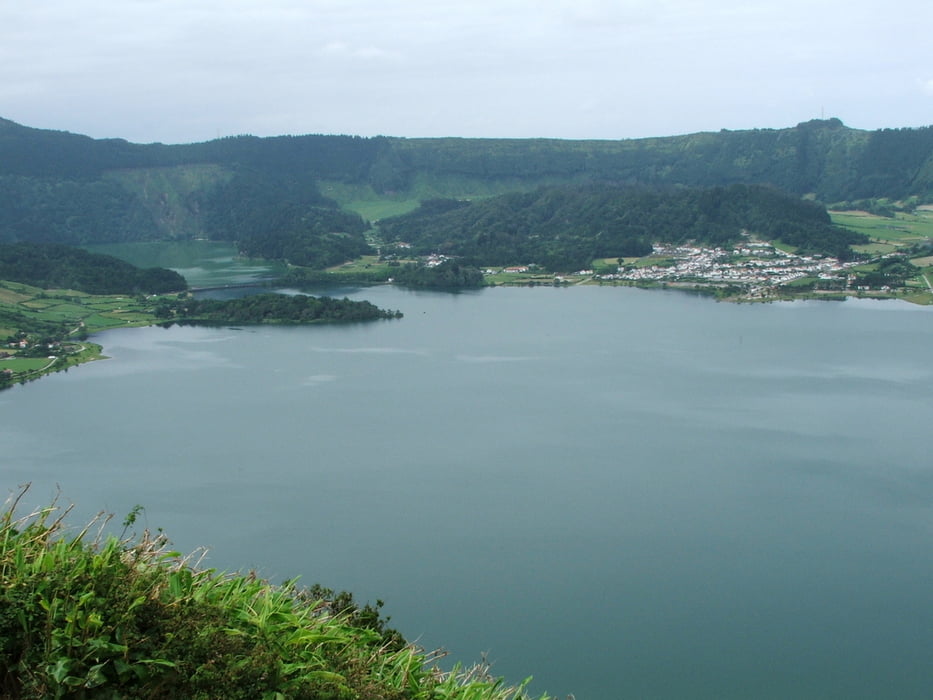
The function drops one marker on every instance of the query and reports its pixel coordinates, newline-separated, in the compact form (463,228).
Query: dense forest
(278,216)
(564,229)
(55,266)
(270,308)
(448,275)
(268,194)
(820,157)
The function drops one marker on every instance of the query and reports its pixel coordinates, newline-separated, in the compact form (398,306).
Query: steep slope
(57,186)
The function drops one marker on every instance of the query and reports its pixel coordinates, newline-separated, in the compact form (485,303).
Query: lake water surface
(625,493)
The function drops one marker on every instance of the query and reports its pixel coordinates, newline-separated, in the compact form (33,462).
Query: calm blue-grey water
(627,494)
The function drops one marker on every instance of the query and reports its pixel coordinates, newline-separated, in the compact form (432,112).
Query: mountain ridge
(56,186)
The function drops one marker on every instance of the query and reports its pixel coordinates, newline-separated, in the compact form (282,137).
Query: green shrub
(92,616)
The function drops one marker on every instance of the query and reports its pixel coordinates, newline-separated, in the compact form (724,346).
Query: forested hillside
(266,193)
(564,228)
(56,266)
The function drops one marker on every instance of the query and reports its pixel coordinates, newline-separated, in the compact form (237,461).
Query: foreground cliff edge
(87,614)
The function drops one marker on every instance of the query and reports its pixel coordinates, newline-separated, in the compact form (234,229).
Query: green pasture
(518,278)
(367,263)
(373,206)
(875,248)
(39,304)
(13,294)
(366,202)
(62,313)
(802,282)
(374,210)
(106,311)
(903,229)
(784,247)
(102,322)
(24,364)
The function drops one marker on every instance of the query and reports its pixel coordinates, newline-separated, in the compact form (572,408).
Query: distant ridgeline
(267,194)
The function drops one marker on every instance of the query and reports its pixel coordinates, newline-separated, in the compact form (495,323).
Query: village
(756,265)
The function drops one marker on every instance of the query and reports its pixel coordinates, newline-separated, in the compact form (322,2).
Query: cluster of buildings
(434,260)
(754,264)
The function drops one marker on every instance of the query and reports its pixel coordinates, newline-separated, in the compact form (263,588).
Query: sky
(181,71)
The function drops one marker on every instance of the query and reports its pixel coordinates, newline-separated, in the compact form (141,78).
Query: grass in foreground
(91,616)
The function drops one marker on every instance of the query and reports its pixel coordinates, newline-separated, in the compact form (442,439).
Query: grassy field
(366,202)
(38,312)
(367,263)
(890,234)
(520,278)
(887,233)
(373,206)
(24,364)
(74,308)
(780,245)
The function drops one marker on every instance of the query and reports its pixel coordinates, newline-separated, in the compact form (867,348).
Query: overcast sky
(178,71)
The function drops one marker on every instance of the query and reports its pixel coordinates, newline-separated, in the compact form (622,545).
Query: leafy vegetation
(45,331)
(56,266)
(896,228)
(270,308)
(563,228)
(70,211)
(493,202)
(305,278)
(89,615)
(890,272)
(62,187)
(447,275)
(272,216)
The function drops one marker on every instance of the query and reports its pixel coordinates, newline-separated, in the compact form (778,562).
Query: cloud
(176,71)
(341,49)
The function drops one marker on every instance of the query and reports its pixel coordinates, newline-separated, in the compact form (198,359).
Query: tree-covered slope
(821,157)
(55,266)
(282,217)
(261,193)
(266,193)
(565,228)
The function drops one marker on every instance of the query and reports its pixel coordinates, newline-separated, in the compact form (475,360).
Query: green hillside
(565,228)
(173,190)
(299,199)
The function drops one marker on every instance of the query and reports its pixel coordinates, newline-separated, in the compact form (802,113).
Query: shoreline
(91,352)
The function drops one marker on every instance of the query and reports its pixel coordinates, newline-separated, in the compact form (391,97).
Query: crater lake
(624,493)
